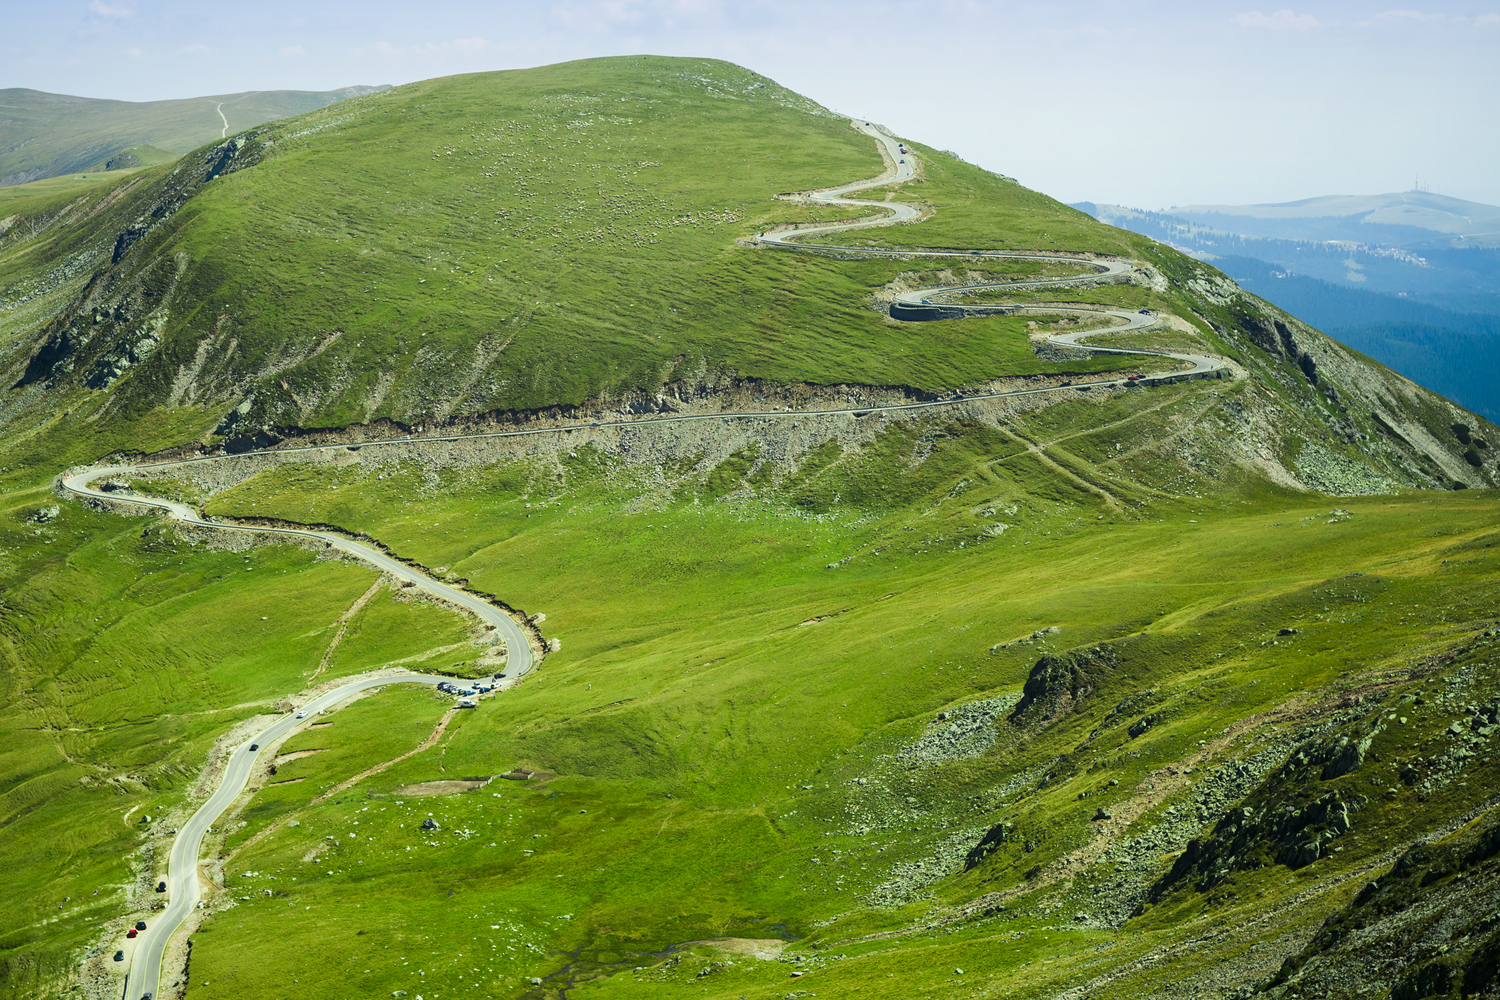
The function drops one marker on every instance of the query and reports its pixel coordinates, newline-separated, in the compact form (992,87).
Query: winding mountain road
(930,303)
(924,304)
(183,888)
(518,649)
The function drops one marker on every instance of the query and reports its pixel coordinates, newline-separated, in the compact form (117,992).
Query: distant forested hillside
(1455,353)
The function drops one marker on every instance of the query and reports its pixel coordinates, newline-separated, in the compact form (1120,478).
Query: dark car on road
(255,746)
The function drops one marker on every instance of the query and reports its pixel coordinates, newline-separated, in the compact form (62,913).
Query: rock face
(993,838)
(1292,819)
(116,322)
(1058,683)
(1428,923)
(1344,756)
(1276,338)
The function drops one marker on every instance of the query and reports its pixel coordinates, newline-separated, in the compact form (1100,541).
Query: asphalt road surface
(518,650)
(182,865)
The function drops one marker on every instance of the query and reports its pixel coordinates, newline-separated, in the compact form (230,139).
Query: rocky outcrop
(1343,757)
(1057,684)
(1428,925)
(1292,819)
(117,320)
(1289,834)
(1275,337)
(992,839)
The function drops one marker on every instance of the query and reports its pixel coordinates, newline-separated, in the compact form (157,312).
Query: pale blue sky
(1129,101)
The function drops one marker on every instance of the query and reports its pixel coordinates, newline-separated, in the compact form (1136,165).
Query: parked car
(119,956)
(140,925)
(131,933)
(1132,378)
(161,887)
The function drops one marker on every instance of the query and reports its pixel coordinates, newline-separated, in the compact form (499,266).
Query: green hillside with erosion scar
(878,656)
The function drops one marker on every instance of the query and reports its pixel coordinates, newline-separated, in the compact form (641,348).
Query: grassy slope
(47,135)
(401,256)
(687,709)
(25,198)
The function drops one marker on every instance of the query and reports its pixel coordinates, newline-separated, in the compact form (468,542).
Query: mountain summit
(402,257)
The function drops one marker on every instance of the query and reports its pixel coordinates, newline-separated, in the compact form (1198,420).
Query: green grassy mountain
(1113,692)
(46,135)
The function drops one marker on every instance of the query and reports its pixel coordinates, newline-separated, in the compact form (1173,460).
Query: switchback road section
(930,304)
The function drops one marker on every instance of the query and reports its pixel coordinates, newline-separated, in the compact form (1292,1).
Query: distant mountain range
(1412,279)
(47,135)
(1413,220)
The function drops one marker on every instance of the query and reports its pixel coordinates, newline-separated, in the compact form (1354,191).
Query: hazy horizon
(1143,104)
